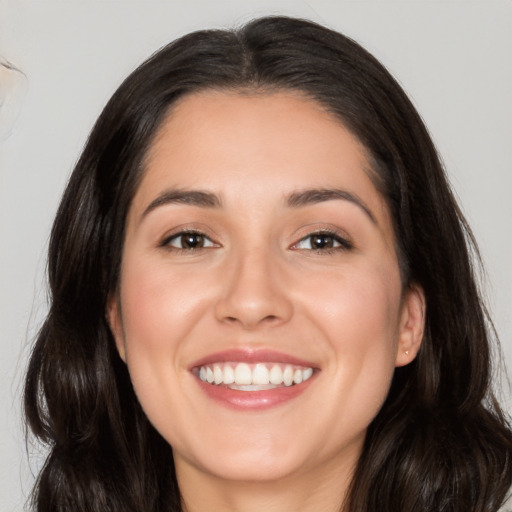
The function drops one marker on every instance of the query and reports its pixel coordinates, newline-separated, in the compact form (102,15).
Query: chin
(262,460)
(252,470)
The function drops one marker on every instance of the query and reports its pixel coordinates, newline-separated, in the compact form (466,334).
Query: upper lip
(248,355)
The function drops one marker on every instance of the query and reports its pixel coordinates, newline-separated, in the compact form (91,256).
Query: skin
(258,284)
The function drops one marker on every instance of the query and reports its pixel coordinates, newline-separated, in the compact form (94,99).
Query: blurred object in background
(13,89)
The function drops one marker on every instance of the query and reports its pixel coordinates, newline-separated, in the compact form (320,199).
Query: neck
(324,490)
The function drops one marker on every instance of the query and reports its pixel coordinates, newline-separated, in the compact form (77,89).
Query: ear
(115,322)
(412,325)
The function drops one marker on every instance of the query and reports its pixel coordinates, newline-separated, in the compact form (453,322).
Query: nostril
(249,323)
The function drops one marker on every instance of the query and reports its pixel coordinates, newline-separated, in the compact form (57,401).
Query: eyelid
(183,230)
(345,243)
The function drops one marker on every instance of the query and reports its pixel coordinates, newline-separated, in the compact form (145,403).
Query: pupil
(192,241)
(322,241)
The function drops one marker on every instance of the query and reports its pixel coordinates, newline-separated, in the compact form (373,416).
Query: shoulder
(507,506)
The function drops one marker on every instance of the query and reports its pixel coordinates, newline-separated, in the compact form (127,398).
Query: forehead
(254,153)
(281,137)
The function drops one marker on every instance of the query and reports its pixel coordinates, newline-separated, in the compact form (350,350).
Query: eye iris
(322,242)
(192,240)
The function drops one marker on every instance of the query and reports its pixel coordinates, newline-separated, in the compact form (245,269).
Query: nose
(254,293)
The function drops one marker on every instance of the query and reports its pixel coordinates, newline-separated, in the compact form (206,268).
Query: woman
(263,295)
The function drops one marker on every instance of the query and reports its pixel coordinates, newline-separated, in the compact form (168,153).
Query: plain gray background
(453,57)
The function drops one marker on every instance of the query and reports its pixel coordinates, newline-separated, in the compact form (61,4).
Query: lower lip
(253,400)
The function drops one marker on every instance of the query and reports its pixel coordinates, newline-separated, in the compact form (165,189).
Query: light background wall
(453,57)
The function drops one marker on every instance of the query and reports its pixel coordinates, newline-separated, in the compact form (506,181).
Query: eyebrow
(190,197)
(314,196)
(298,199)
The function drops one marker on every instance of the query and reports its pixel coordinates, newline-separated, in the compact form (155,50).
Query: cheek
(157,315)
(358,314)
(154,319)
(159,305)
(359,307)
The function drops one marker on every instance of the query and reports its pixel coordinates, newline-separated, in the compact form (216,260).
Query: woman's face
(258,253)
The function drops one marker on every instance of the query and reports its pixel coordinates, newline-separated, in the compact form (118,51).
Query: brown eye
(188,240)
(191,241)
(323,242)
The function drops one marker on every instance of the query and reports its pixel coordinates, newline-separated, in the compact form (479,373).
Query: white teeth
(243,374)
(260,375)
(217,374)
(306,374)
(254,377)
(228,375)
(288,376)
(276,375)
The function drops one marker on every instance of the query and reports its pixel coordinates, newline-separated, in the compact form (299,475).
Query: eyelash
(166,243)
(334,238)
(343,243)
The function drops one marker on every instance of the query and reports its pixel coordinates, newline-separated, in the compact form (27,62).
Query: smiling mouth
(252,377)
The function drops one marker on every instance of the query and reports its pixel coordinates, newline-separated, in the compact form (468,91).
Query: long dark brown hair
(440,443)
